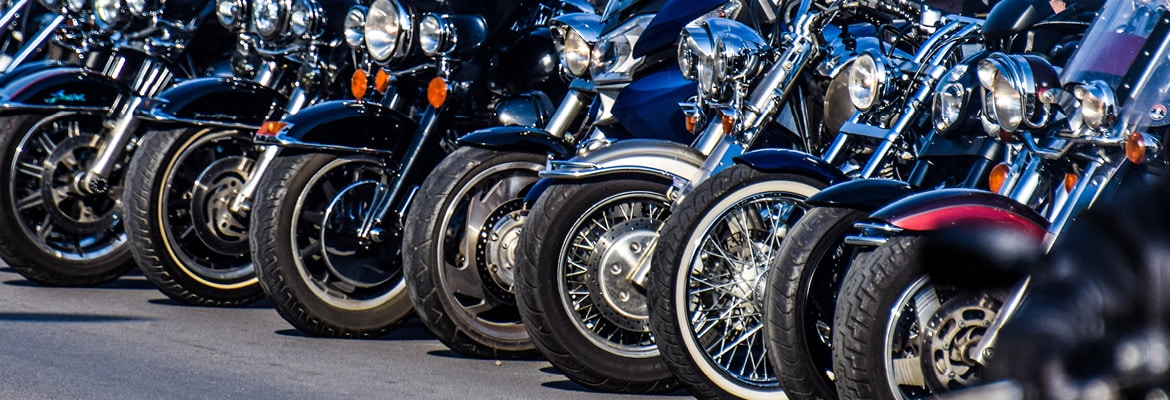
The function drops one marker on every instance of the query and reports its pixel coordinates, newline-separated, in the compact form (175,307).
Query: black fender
(861,194)
(786,160)
(945,208)
(29,68)
(61,89)
(215,101)
(347,125)
(518,138)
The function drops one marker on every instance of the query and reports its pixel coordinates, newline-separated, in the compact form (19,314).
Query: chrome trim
(34,43)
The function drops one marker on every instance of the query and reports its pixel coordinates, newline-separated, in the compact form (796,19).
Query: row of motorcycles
(734,196)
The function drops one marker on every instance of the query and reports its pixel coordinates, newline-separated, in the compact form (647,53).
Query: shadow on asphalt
(261,304)
(412,329)
(64,317)
(570,386)
(454,354)
(126,282)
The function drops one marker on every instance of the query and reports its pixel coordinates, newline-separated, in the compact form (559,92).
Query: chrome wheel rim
(589,290)
(46,196)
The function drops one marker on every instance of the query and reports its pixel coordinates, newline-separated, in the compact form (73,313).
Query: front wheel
(320,276)
(184,235)
(461,253)
(582,248)
(51,230)
(897,335)
(706,292)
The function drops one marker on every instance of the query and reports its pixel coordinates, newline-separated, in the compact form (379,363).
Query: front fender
(29,68)
(786,160)
(938,209)
(861,194)
(518,138)
(669,160)
(346,125)
(61,89)
(214,101)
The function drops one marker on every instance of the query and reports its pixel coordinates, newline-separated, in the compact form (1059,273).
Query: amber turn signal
(437,92)
(728,124)
(270,128)
(359,83)
(1135,148)
(381,81)
(1070,181)
(691,121)
(998,176)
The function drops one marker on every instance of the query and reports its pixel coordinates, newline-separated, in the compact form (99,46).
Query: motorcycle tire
(705,296)
(183,235)
(612,351)
(289,216)
(801,300)
(460,254)
(895,331)
(52,234)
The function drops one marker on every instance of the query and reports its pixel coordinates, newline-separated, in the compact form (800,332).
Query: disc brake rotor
(69,207)
(214,190)
(496,248)
(952,334)
(351,259)
(620,253)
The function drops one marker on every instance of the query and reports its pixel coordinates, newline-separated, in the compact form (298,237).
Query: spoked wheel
(711,266)
(461,253)
(584,251)
(185,236)
(322,277)
(57,229)
(898,335)
(802,298)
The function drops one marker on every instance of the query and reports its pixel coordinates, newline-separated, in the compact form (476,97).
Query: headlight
(612,59)
(355,26)
(574,36)
(268,16)
(306,19)
(867,77)
(1007,103)
(109,13)
(947,107)
(140,7)
(718,53)
(388,30)
(75,6)
(434,35)
(1098,107)
(1014,82)
(231,13)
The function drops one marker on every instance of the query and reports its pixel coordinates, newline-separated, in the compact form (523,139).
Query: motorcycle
(459,256)
(189,186)
(1079,141)
(68,134)
(327,220)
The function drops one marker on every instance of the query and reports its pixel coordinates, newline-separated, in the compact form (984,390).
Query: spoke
(33,200)
(46,143)
(45,229)
(36,171)
(329,190)
(187,232)
(73,129)
(313,249)
(465,281)
(316,218)
(925,304)
(908,371)
(742,337)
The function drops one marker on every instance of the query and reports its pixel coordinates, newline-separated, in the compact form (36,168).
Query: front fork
(242,203)
(32,45)
(385,197)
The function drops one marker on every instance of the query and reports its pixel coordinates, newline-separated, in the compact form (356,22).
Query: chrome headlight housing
(110,13)
(612,59)
(574,36)
(1098,106)
(232,14)
(306,19)
(388,30)
(868,78)
(1015,82)
(355,26)
(719,53)
(435,35)
(270,17)
(950,99)
(74,6)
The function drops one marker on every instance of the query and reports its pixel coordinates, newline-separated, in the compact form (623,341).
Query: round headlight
(268,16)
(1007,103)
(231,13)
(710,75)
(866,77)
(576,54)
(1098,107)
(387,30)
(109,13)
(355,21)
(305,18)
(75,6)
(688,58)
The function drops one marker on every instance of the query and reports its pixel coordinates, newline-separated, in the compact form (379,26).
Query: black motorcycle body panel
(787,160)
(61,89)
(518,138)
(1009,17)
(861,194)
(351,126)
(227,102)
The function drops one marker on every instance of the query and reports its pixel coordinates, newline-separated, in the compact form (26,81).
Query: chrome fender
(665,159)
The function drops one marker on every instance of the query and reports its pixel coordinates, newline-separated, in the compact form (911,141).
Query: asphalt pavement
(126,340)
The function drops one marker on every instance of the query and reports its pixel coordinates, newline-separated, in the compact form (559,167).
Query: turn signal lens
(691,121)
(1135,148)
(998,176)
(1070,180)
(437,92)
(270,128)
(728,124)
(359,83)
(381,81)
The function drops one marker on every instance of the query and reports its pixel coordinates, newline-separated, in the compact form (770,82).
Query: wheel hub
(620,253)
(952,333)
(497,246)
(214,190)
(351,259)
(69,206)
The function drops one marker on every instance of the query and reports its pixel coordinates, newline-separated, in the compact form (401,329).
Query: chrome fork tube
(13,10)
(242,203)
(266,74)
(383,202)
(570,107)
(151,79)
(34,44)
(985,348)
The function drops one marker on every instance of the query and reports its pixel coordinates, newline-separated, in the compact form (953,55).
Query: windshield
(1110,54)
